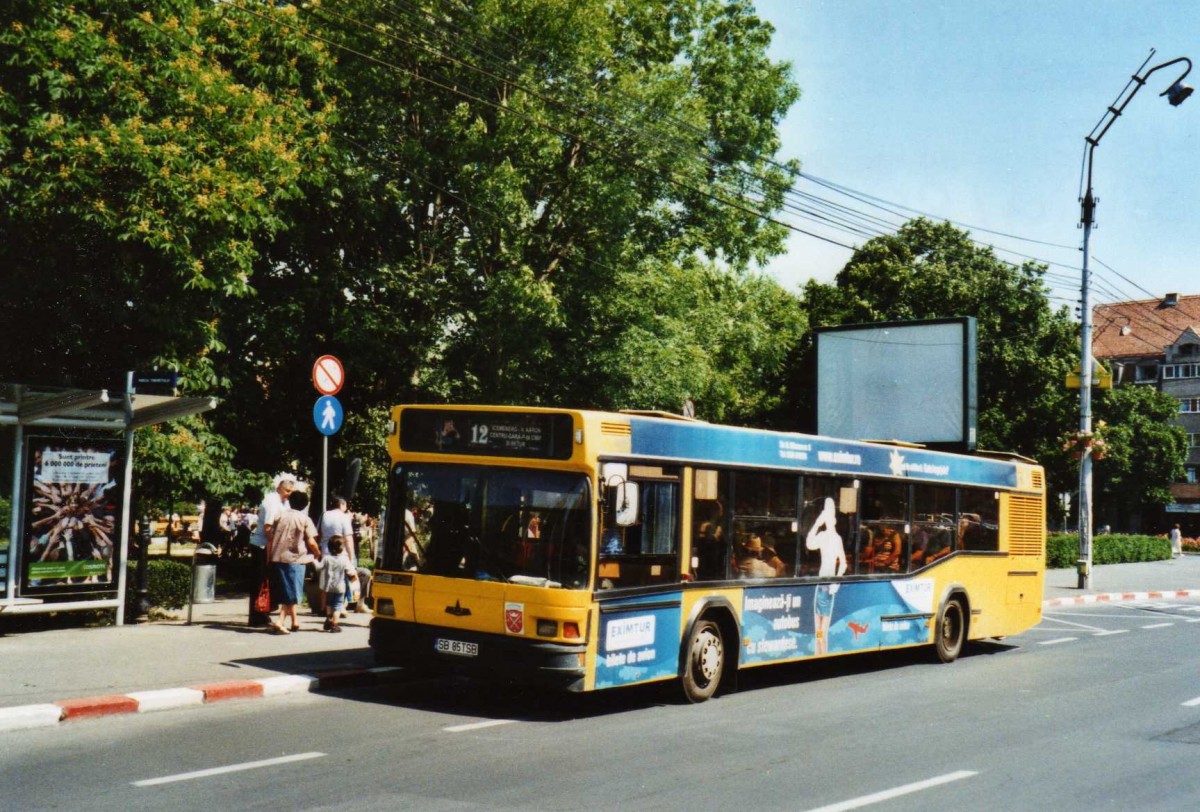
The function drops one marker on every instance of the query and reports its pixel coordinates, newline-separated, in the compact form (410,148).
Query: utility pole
(1175,94)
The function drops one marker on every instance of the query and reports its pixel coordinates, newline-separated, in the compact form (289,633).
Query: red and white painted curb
(53,713)
(1113,597)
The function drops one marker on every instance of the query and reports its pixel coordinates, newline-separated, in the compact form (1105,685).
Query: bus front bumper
(458,651)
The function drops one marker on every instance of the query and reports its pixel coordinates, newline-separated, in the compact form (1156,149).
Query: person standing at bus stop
(335,521)
(293,545)
(268,514)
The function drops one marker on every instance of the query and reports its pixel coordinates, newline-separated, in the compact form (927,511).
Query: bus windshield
(490,524)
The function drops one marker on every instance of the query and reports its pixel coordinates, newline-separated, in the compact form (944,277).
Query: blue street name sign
(328,415)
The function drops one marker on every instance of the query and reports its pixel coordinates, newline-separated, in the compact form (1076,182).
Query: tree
(462,201)
(146,150)
(929,270)
(511,179)
(185,459)
(1145,454)
(688,331)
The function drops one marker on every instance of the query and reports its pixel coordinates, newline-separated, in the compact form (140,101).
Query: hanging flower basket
(1081,443)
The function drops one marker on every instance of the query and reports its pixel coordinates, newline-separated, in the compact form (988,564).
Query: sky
(976,112)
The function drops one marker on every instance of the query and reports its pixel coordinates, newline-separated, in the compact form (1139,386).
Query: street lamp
(1175,94)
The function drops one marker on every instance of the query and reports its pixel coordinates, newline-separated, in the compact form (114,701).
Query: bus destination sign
(496,434)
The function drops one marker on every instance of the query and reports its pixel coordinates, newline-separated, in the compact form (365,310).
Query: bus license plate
(459,647)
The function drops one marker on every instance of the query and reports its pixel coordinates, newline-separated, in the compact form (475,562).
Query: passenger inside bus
(929,543)
(709,544)
(940,546)
(884,552)
(756,560)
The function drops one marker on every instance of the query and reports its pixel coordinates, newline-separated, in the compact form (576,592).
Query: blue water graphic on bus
(784,623)
(639,642)
(721,444)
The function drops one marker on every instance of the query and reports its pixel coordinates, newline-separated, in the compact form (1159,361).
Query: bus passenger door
(641,548)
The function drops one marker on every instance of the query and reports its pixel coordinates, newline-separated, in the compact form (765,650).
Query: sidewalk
(1150,579)
(47,677)
(219,656)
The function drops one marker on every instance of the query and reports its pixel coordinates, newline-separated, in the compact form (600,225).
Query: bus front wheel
(705,662)
(951,631)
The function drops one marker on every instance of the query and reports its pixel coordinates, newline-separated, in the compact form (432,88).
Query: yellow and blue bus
(590,550)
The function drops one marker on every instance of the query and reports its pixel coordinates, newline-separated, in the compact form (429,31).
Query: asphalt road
(1098,708)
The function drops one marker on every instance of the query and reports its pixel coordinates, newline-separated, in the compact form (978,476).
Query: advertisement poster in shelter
(72,515)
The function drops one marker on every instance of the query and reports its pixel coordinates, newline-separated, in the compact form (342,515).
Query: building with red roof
(1156,342)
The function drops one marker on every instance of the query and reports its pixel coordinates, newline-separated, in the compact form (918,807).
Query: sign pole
(328,375)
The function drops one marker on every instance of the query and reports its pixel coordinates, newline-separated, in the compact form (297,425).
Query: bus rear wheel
(951,631)
(705,662)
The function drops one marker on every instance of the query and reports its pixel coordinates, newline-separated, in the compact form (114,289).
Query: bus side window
(710,546)
(885,526)
(934,535)
(826,527)
(765,526)
(979,520)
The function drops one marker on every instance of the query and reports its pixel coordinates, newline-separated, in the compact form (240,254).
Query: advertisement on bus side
(783,623)
(638,643)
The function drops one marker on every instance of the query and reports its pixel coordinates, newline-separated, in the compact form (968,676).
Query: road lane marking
(1158,625)
(1057,640)
(1191,703)
(478,725)
(1113,631)
(232,768)
(1078,625)
(888,794)
(1103,615)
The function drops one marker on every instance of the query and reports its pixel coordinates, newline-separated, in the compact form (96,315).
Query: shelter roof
(92,408)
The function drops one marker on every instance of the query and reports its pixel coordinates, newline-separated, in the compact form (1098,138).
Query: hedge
(169,583)
(1062,550)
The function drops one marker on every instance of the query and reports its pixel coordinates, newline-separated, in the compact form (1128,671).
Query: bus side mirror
(626,503)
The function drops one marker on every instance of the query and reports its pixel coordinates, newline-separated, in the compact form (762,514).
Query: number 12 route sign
(328,375)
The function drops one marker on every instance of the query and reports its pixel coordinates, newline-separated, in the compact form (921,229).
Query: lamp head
(1177,92)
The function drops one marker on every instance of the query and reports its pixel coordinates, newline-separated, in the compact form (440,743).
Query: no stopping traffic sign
(328,375)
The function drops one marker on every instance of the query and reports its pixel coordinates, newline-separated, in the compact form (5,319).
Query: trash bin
(204,576)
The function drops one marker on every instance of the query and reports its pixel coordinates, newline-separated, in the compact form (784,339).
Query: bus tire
(705,662)
(951,630)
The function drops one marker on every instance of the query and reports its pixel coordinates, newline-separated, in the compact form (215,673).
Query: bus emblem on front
(514,618)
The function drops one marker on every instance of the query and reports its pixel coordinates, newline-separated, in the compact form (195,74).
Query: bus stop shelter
(67,544)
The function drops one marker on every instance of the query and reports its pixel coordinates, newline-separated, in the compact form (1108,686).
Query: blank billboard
(911,381)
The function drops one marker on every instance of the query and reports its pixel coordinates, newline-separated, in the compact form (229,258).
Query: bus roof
(673,439)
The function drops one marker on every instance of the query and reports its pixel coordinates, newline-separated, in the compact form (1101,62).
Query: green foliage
(1062,549)
(186,458)
(5,521)
(689,331)
(1143,453)
(169,583)
(525,201)
(147,151)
